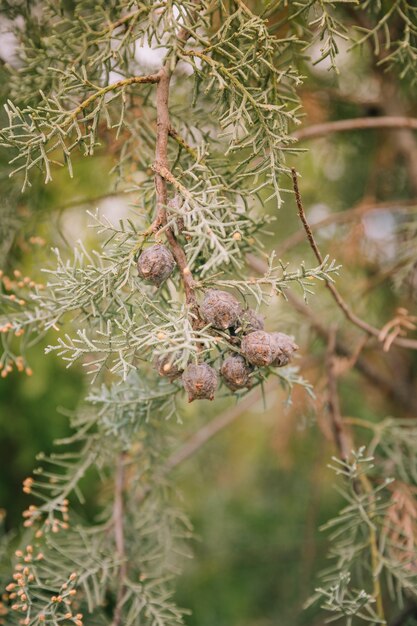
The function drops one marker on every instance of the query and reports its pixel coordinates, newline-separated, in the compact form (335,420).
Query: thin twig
(182,143)
(357,123)
(119,538)
(343,445)
(130,16)
(125,82)
(352,317)
(374,550)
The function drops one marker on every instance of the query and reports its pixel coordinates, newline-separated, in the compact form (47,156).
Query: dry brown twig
(394,389)
(398,326)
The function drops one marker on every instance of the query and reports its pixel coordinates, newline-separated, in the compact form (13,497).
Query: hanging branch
(352,317)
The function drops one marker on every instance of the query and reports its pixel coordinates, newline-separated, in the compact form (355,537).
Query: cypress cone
(284,348)
(200,382)
(220,309)
(258,348)
(156,264)
(236,372)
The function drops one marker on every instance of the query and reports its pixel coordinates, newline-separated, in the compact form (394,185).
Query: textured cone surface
(156,264)
(236,372)
(258,348)
(250,321)
(200,382)
(165,366)
(284,348)
(220,309)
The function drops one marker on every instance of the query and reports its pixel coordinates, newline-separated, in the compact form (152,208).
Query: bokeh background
(259,491)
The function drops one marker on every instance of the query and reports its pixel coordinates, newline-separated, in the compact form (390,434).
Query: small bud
(156,264)
(200,382)
(166,366)
(236,372)
(220,309)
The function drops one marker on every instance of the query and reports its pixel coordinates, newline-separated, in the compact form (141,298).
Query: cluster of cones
(253,347)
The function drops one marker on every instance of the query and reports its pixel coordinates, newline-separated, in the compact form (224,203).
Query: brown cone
(220,309)
(156,264)
(200,382)
(236,372)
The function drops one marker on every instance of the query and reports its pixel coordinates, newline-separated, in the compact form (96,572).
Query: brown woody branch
(348,313)
(163,126)
(161,164)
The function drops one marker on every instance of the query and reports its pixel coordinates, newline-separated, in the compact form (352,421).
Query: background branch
(358,123)
(118,521)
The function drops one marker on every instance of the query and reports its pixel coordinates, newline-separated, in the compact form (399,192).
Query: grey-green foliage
(75,89)
(120,319)
(124,421)
(372,538)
